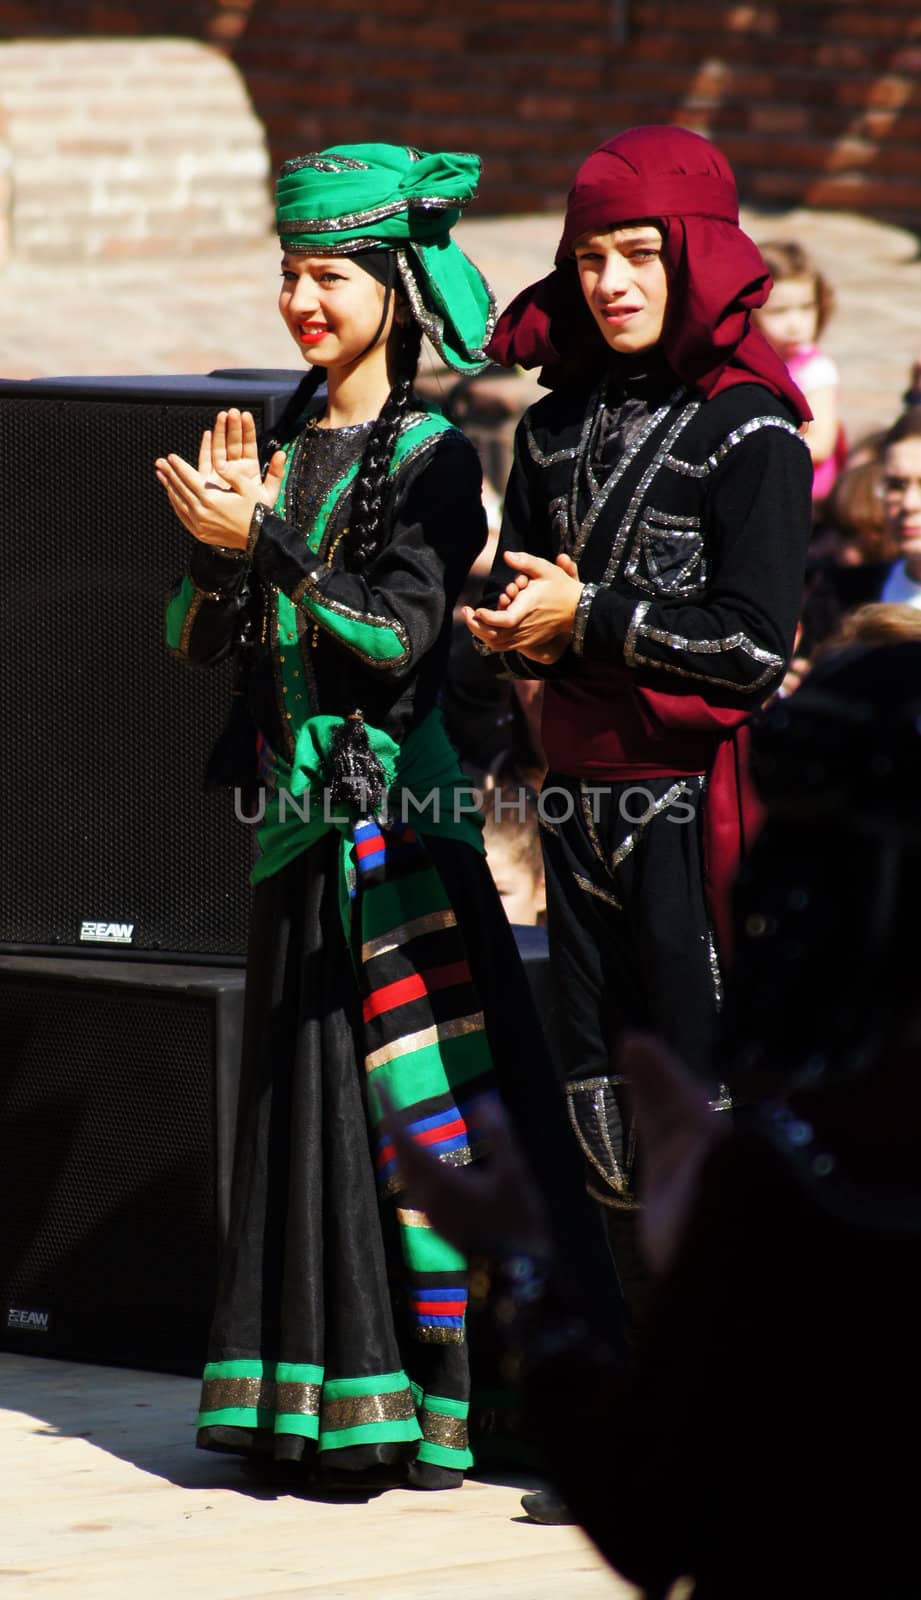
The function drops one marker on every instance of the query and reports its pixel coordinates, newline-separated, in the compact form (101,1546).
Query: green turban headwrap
(390,197)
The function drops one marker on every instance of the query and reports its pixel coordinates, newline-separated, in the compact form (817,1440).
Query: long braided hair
(356,776)
(367,524)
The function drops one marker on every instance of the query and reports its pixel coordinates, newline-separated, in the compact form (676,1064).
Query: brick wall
(122,147)
(814,101)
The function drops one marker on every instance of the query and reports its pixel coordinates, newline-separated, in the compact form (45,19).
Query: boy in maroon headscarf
(650,568)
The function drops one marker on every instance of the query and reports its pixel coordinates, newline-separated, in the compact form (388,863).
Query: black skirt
(313,1355)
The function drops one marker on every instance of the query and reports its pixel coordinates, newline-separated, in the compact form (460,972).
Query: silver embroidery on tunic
(632,631)
(584,606)
(537,454)
(692,469)
(601,496)
(639,494)
(558,512)
(668,556)
(675,641)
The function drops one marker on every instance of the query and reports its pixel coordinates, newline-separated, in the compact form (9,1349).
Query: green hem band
(236,1417)
(380,1383)
(372,1433)
(439,1456)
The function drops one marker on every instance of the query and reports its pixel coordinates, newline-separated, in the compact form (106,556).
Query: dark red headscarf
(716,274)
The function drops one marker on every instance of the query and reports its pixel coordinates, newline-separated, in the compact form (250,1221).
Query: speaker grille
(105,735)
(108,1163)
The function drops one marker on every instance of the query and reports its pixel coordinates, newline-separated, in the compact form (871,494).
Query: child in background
(513,853)
(792,320)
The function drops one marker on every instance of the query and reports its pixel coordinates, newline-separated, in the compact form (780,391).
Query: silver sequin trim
(682,581)
(691,469)
(642,489)
(591,826)
(628,845)
(675,641)
(580,622)
(632,631)
(310,586)
(715,972)
(188,621)
(537,454)
(667,519)
(620,1170)
(558,513)
(363,219)
(347,247)
(601,496)
(588,887)
(323,163)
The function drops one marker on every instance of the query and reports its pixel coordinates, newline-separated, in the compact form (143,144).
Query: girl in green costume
(379,953)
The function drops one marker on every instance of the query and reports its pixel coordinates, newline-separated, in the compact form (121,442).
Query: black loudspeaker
(108,836)
(117,1106)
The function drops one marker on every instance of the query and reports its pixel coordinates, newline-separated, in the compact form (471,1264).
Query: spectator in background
(901,493)
(882,622)
(513,852)
(792,320)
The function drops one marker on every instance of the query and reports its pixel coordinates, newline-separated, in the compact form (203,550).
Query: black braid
(366,526)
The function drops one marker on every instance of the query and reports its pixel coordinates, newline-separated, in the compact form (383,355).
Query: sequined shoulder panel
(703,469)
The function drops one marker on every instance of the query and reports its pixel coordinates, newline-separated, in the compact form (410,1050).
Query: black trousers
(631,944)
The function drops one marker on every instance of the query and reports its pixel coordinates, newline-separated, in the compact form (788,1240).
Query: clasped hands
(216,502)
(536,611)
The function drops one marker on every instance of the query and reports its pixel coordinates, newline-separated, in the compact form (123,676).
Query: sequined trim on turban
(354,198)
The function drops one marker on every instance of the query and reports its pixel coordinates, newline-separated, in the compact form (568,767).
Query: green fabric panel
(426,1251)
(380,1383)
(237,1417)
(177,611)
(253,1367)
(440,1456)
(306,1427)
(248,1368)
(392,904)
(378,643)
(426,761)
(429,425)
(435,1069)
(447,1407)
(297,1372)
(371,1433)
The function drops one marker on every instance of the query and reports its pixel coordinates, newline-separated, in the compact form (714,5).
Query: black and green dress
(379,953)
